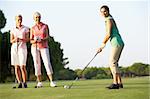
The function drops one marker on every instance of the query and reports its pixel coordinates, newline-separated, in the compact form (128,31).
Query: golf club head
(77,78)
(70,87)
(38,87)
(14,87)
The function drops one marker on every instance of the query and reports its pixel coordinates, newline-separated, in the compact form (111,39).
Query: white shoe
(53,84)
(39,85)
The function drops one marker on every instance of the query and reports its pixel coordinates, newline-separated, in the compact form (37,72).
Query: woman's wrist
(102,45)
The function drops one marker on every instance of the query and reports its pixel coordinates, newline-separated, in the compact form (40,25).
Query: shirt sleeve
(27,30)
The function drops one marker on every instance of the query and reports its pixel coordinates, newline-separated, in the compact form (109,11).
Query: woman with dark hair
(117,44)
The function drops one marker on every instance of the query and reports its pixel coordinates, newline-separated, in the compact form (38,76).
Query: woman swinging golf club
(117,44)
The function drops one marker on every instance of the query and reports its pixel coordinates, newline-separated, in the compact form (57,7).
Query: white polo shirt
(20,33)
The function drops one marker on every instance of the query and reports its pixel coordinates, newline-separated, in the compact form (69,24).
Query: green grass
(134,88)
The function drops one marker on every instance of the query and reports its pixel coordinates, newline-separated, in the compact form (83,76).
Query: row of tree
(2,25)
(137,69)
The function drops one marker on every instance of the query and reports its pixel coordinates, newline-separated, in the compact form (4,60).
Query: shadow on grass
(137,83)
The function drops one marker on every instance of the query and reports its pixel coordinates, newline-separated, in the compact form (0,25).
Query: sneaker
(52,84)
(20,85)
(25,85)
(39,85)
(113,86)
(120,85)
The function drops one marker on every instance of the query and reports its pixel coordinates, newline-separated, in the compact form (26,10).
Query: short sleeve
(27,30)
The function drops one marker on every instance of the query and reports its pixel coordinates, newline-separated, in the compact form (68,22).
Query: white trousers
(44,53)
(114,59)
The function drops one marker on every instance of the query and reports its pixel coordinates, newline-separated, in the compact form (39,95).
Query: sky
(80,29)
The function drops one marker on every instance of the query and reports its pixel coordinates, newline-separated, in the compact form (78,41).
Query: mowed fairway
(134,88)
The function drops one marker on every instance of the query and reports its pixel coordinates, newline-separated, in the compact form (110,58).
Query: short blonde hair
(19,15)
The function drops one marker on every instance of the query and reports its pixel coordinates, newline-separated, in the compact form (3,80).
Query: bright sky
(80,29)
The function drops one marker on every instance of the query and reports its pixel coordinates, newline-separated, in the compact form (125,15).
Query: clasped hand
(37,39)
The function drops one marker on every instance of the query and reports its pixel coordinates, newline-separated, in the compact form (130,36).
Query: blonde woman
(18,37)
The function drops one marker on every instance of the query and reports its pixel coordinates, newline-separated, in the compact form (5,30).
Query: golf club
(69,86)
(36,53)
(14,86)
(36,60)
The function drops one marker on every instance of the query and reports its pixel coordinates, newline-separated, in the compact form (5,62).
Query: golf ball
(66,87)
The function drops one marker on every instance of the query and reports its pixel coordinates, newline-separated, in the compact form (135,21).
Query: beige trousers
(114,59)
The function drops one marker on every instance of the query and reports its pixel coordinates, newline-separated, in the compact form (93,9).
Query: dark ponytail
(105,7)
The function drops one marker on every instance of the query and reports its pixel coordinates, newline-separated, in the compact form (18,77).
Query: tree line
(136,69)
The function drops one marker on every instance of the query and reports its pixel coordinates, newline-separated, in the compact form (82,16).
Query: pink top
(20,33)
(40,32)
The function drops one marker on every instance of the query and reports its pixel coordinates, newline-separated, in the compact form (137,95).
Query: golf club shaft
(83,70)
(36,53)
(15,82)
(88,64)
